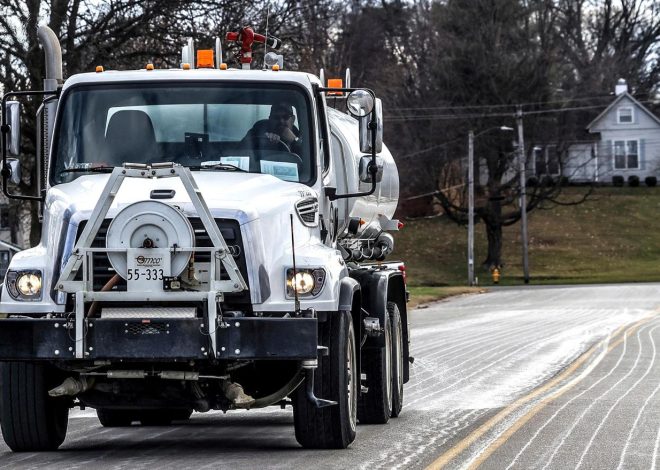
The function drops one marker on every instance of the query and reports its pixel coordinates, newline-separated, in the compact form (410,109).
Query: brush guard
(81,256)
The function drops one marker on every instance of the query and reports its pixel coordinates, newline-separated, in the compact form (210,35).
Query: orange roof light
(223,66)
(99,68)
(185,66)
(276,68)
(335,83)
(150,66)
(205,59)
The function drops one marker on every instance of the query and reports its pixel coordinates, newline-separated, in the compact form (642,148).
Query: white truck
(189,262)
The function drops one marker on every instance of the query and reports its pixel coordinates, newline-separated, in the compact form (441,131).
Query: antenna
(293,280)
(266,41)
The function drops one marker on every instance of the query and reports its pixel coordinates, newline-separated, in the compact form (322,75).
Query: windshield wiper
(219,166)
(91,169)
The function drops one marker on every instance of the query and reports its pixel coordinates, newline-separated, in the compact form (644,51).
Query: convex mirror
(360,103)
(14,167)
(365,175)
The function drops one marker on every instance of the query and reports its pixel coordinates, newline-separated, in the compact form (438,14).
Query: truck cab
(203,243)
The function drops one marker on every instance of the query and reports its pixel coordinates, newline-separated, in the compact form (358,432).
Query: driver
(277,129)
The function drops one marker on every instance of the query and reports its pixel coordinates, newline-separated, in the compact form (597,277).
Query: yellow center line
(471,438)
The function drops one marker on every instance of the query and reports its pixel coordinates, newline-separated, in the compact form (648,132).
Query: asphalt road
(554,378)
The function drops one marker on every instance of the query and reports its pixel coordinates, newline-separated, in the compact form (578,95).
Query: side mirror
(14,168)
(365,132)
(12,139)
(365,175)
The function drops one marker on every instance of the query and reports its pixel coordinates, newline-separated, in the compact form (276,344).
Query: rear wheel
(332,427)
(375,406)
(31,420)
(397,358)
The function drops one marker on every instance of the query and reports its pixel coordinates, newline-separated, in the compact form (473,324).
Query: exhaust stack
(53,53)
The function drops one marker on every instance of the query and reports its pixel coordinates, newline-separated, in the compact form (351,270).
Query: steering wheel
(275,145)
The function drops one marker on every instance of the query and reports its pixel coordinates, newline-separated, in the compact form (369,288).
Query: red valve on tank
(246,37)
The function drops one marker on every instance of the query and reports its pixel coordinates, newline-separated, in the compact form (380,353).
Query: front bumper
(159,340)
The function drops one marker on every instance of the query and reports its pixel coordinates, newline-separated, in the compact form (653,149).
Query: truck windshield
(257,129)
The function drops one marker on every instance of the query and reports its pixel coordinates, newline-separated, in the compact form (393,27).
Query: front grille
(308,210)
(229,228)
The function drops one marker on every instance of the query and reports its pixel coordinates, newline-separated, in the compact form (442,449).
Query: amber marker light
(205,59)
(150,66)
(335,83)
(99,68)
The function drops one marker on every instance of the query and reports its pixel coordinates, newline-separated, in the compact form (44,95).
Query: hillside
(613,237)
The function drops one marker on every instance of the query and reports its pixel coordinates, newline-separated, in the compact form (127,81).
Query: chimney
(621,87)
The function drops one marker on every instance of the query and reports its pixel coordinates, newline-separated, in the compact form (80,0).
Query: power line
(436,117)
(490,106)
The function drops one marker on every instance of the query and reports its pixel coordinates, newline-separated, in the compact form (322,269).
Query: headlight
(24,285)
(307,282)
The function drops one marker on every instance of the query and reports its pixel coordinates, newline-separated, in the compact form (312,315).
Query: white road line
(593,402)
(634,426)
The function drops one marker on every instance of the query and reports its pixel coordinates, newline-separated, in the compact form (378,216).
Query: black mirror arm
(4,130)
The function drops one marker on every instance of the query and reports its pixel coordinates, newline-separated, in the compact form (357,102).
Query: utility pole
(470,208)
(523,195)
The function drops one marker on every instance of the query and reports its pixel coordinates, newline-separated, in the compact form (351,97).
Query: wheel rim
(388,366)
(350,382)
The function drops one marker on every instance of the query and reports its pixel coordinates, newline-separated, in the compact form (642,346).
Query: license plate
(146,269)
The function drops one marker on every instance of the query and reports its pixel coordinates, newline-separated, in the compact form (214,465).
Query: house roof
(616,101)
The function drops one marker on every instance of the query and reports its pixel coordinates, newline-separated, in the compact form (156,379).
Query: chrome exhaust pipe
(53,53)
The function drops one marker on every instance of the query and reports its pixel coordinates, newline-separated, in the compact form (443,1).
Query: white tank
(377,209)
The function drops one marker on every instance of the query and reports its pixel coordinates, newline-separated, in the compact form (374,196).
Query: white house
(626,142)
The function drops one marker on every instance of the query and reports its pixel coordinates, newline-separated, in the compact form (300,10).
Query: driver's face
(282,119)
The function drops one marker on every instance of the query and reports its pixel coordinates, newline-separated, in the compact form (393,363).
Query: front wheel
(336,379)
(31,420)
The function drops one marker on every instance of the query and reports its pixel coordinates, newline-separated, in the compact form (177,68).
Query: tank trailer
(212,239)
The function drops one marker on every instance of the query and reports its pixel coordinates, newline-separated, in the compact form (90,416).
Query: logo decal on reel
(148,261)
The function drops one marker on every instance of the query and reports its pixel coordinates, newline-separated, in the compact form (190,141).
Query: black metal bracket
(4,130)
(373,165)
(317,402)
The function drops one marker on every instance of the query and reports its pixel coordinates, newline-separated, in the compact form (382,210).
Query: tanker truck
(191,260)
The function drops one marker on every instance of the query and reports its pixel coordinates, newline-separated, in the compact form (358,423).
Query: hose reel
(150,224)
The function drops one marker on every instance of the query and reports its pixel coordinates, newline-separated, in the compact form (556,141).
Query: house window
(625,115)
(546,160)
(626,154)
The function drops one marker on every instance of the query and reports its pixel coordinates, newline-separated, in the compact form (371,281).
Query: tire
(375,406)
(336,378)
(397,358)
(112,418)
(31,420)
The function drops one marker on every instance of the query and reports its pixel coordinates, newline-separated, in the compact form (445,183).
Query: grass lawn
(613,237)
